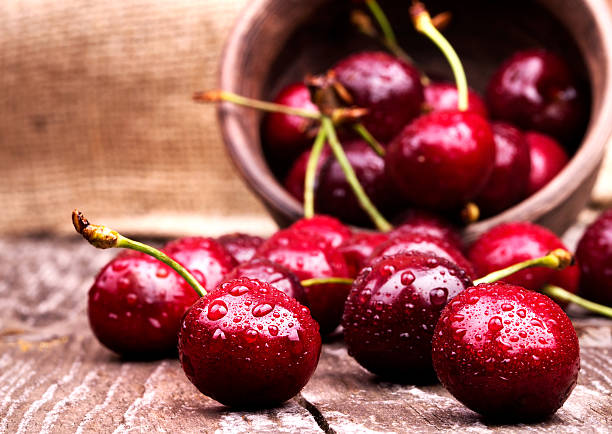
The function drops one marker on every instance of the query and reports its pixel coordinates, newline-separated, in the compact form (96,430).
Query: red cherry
(136,304)
(442,159)
(241,246)
(294,182)
(388,87)
(205,258)
(247,344)
(392,309)
(594,255)
(441,96)
(329,228)
(358,249)
(506,352)
(509,180)
(535,89)
(270,272)
(547,159)
(424,222)
(310,256)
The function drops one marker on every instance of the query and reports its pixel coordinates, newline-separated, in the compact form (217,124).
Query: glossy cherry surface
(390,88)
(241,246)
(391,312)
(594,255)
(358,249)
(424,222)
(294,181)
(136,304)
(441,95)
(547,159)
(535,89)
(509,180)
(506,352)
(442,159)
(332,230)
(247,344)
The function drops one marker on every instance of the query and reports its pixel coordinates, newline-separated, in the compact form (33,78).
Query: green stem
(324,280)
(422,22)
(311,173)
(369,138)
(364,201)
(104,238)
(557,260)
(561,294)
(383,22)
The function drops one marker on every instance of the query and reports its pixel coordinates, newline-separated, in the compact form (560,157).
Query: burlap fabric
(96,113)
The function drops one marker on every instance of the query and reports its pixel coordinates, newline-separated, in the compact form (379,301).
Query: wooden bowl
(276,42)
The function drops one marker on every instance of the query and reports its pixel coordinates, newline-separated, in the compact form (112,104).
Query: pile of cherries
(248,314)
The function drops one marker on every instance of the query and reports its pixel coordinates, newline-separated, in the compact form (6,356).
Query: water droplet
(162,272)
(438,296)
(155,323)
(218,334)
(523,334)
(404,335)
(542,340)
(473,299)
(262,309)
(239,290)
(536,323)
(460,333)
(119,266)
(123,283)
(217,310)
(387,270)
(131,298)
(432,262)
(506,307)
(237,319)
(521,313)
(514,338)
(457,317)
(495,324)
(250,336)
(112,315)
(407,278)
(273,330)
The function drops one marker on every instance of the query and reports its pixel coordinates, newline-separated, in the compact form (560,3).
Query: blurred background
(97,114)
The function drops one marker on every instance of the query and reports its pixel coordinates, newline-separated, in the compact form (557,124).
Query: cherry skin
(388,87)
(428,223)
(270,272)
(547,159)
(136,304)
(310,256)
(358,249)
(594,255)
(509,180)
(287,135)
(332,230)
(442,160)
(440,95)
(247,344)
(506,352)
(392,309)
(241,246)
(294,182)
(510,243)
(205,258)
(535,90)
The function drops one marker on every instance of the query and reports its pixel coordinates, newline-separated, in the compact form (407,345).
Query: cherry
(205,258)
(506,352)
(424,222)
(389,87)
(594,255)
(509,180)
(547,159)
(442,159)
(294,182)
(568,279)
(136,304)
(310,256)
(329,228)
(535,89)
(407,241)
(358,249)
(392,309)
(247,344)
(241,246)
(270,272)
(509,243)
(441,96)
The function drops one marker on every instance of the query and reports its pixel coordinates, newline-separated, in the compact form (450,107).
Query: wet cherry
(241,246)
(332,230)
(441,95)
(424,222)
(547,159)
(294,182)
(358,249)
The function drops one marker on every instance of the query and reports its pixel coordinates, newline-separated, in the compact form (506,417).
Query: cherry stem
(369,138)
(423,23)
(561,294)
(558,259)
(364,201)
(311,173)
(104,238)
(470,213)
(324,280)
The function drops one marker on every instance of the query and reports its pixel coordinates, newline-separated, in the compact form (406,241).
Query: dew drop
(112,315)
(407,278)
(162,272)
(473,299)
(131,298)
(238,290)
(123,283)
(218,334)
(460,333)
(250,336)
(262,309)
(217,310)
(237,319)
(387,270)
(432,262)
(542,340)
(457,317)
(506,307)
(273,330)
(536,323)
(155,323)
(521,313)
(438,296)
(119,266)
(495,324)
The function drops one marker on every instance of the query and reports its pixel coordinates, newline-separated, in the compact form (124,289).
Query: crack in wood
(316,414)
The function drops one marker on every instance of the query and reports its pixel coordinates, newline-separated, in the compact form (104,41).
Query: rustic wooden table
(55,377)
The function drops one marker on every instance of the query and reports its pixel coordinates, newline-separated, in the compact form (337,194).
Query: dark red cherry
(594,255)
(506,352)
(270,272)
(358,249)
(510,243)
(547,159)
(388,87)
(392,309)
(424,222)
(310,256)
(442,159)
(287,135)
(535,90)
(241,246)
(205,258)
(294,182)
(136,304)
(509,180)
(424,243)
(332,230)
(247,344)
(443,96)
